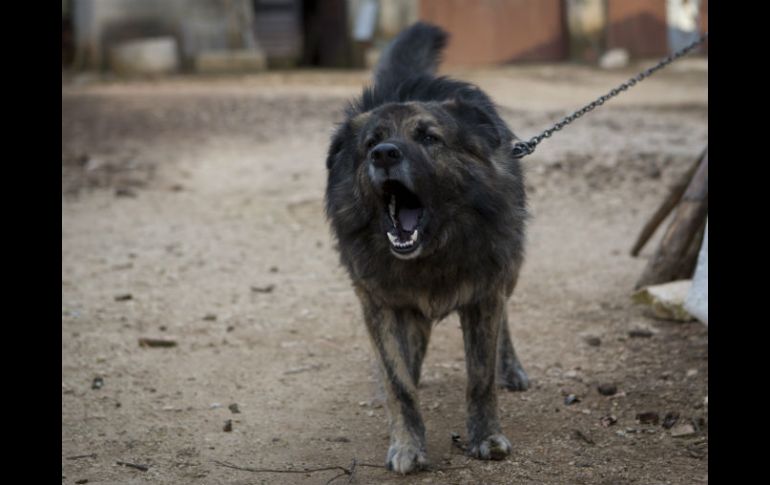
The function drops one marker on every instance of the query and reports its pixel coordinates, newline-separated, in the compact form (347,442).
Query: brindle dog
(428,208)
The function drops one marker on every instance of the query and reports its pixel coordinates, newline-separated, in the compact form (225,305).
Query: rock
(571,399)
(670,420)
(614,59)
(607,421)
(124,297)
(97,383)
(666,301)
(592,340)
(683,430)
(210,317)
(263,289)
(228,426)
(650,417)
(607,389)
(234,408)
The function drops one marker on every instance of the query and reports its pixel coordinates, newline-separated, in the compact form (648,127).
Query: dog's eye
(429,139)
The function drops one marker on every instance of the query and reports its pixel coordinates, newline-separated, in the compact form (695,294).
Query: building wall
(639,26)
(497,31)
(197,25)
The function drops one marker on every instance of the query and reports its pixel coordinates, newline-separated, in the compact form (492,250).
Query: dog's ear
(475,121)
(336,148)
(344,136)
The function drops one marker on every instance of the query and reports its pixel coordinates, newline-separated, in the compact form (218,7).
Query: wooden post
(677,191)
(671,261)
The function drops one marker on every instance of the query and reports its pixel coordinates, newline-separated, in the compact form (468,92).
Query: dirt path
(202,200)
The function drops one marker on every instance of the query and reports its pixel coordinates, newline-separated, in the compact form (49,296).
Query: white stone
(666,301)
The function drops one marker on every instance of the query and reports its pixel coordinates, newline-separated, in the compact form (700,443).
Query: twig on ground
(77,457)
(143,468)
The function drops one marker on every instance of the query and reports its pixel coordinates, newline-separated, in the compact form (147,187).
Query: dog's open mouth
(405,214)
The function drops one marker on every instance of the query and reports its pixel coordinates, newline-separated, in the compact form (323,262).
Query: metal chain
(524,148)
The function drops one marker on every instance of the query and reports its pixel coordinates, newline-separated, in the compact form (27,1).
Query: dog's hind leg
(399,338)
(510,373)
(481,325)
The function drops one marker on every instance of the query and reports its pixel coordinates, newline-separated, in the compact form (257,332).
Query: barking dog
(428,209)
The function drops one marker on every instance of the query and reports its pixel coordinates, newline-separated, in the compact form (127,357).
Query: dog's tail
(414,52)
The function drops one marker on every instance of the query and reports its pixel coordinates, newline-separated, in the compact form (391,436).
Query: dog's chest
(434,303)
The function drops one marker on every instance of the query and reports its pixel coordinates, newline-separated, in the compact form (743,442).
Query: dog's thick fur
(438,151)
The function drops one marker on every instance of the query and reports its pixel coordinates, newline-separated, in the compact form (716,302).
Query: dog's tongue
(408,218)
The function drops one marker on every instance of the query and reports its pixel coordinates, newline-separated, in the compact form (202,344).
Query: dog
(428,209)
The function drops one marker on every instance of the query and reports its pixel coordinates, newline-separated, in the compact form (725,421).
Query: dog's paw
(495,447)
(405,458)
(513,378)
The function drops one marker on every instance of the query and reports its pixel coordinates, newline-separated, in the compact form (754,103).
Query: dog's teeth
(413,237)
(392,238)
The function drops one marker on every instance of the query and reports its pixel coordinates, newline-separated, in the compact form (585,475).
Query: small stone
(650,417)
(228,426)
(607,421)
(571,399)
(82,480)
(234,408)
(666,301)
(691,373)
(263,289)
(124,297)
(210,317)
(670,420)
(593,340)
(683,430)
(607,389)
(97,383)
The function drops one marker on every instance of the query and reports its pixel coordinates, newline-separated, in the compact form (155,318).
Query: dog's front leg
(481,327)
(399,338)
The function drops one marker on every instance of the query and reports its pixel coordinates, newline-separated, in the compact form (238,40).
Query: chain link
(524,148)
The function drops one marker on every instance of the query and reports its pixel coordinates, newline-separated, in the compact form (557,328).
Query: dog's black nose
(385,155)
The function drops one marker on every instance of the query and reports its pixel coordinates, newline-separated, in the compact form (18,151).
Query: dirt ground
(192,211)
